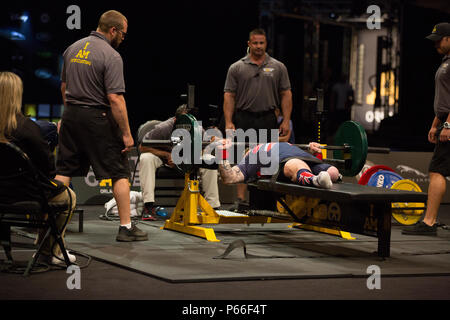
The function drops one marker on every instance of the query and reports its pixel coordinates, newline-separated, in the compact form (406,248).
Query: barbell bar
(350,151)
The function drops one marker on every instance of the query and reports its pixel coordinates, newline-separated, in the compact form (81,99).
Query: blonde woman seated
(26,134)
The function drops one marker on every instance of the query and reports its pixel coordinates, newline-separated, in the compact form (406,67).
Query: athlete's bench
(346,207)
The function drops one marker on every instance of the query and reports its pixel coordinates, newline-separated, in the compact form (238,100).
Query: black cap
(439,31)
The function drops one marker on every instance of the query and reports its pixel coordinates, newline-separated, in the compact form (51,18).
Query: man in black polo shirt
(254,87)
(94,128)
(439,134)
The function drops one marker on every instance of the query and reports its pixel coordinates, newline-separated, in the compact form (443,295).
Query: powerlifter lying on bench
(297,165)
(313,200)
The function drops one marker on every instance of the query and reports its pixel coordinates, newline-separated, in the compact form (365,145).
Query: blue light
(43,73)
(24,17)
(11,34)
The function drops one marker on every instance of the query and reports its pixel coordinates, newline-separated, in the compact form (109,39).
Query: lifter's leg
(299,172)
(334,173)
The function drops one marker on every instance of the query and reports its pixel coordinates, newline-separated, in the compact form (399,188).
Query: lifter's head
(11,89)
(114,26)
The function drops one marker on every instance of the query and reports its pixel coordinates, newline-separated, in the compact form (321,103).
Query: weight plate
(411,216)
(353,134)
(190,124)
(369,172)
(384,179)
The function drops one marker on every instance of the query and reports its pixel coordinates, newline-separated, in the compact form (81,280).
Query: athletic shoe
(133,234)
(51,259)
(421,229)
(60,259)
(323,180)
(149,214)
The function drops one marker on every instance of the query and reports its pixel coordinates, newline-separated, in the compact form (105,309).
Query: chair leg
(35,258)
(57,235)
(5,238)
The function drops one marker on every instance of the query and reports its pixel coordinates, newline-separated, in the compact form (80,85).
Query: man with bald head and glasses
(94,128)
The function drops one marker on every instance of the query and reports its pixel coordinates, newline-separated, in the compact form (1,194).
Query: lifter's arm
(119,112)
(230,174)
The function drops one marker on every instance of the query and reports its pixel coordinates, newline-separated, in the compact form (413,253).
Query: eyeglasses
(124,34)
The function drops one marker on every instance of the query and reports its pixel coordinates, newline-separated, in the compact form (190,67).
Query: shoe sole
(131,239)
(411,233)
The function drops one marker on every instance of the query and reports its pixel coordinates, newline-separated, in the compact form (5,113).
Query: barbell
(349,152)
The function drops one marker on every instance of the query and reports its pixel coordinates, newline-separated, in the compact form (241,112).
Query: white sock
(323,180)
(128,226)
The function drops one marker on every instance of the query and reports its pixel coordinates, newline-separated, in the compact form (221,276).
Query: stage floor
(276,251)
(281,252)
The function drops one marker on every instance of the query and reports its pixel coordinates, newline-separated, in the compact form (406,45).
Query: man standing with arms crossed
(94,128)
(254,87)
(439,134)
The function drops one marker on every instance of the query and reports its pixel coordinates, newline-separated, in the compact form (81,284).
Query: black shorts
(440,163)
(89,136)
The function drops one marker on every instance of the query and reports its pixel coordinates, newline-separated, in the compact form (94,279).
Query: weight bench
(345,207)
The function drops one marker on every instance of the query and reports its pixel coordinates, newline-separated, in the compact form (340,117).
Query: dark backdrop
(169,45)
(173,43)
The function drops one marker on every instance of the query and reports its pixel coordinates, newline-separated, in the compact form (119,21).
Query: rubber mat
(272,251)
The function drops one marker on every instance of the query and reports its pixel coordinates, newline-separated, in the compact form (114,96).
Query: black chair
(19,179)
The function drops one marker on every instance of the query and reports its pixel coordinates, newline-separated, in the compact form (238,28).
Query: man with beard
(94,128)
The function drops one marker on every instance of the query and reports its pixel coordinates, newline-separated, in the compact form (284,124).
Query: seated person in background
(294,165)
(153,158)
(289,137)
(49,132)
(26,134)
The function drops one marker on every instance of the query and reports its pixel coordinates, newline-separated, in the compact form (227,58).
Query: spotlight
(24,17)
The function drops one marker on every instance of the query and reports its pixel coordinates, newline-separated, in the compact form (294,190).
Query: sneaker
(323,180)
(421,229)
(148,214)
(51,259)
(60,259)
(133,234)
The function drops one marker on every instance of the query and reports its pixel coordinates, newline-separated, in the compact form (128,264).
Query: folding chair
(19,179)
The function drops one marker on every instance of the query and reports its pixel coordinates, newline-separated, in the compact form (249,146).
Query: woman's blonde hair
(11,89)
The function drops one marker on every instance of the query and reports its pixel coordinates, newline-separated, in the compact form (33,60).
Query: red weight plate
(369,172)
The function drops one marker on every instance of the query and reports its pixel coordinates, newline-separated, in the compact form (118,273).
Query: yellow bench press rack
(186,216)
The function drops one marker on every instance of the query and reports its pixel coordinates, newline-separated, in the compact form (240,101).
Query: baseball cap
(439,31)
